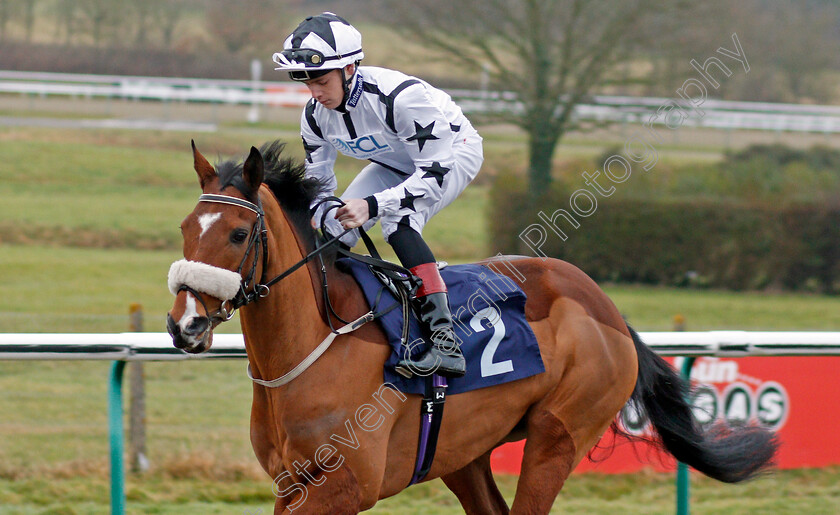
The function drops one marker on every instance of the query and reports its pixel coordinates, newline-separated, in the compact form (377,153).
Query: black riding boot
(444,356)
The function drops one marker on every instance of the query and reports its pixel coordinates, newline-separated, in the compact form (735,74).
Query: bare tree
(169,16)
(66,19)
(142,12)
(801,47)
(153,19)
(29,17)
(13,9)
(5,13)
(240,24)
(551,54)
(675,42)
(100,16)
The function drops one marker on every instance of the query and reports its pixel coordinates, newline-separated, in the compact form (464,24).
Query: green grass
(94,194)
(654,308)
(814,492)
(55,421)
(121,188)
(42,114)
(84,193)
(80,289)
(90,290)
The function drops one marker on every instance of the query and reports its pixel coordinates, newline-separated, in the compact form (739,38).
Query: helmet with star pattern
(318,45)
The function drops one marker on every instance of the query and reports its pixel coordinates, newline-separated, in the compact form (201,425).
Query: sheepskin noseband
(212,280)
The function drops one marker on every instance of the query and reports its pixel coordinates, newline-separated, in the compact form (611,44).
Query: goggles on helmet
(308,57)
(305,56)
(314,62)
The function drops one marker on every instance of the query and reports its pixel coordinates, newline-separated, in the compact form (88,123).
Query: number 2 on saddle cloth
(488,314)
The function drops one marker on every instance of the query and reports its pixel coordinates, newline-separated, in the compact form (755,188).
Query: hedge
(687,242)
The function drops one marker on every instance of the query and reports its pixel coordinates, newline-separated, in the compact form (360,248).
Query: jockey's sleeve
(428,138)
(320,159)
(320,155)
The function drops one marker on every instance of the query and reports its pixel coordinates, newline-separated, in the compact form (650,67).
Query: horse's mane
(286,178)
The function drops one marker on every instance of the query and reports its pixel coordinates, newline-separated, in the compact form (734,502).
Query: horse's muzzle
(194,338)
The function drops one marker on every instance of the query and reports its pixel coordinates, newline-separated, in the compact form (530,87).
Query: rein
(258,241)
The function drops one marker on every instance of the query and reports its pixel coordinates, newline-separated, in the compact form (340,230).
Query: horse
(335,439)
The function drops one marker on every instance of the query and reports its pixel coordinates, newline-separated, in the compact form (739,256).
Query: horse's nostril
(197,325)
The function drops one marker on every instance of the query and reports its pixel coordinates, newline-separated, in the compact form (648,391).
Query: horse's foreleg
(476,489)
(548,459)
(336,492)
(263,433)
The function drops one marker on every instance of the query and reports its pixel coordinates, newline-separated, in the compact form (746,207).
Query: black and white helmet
(319,44)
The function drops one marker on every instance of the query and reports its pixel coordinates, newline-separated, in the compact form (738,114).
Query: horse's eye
(238,236)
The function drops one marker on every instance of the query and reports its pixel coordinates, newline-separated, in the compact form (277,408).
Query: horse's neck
(284,327)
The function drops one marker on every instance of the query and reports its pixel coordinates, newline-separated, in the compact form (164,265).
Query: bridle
(257,240)
(250,290)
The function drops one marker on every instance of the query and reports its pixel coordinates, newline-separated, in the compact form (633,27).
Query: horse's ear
(203,168)
(253,170)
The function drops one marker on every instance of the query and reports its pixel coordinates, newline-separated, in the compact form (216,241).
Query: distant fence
(154,88)
(717,114)
(123,347)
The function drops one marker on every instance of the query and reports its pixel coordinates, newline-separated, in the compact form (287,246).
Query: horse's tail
(729,455)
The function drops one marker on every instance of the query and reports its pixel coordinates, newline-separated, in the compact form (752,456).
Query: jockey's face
(328,89)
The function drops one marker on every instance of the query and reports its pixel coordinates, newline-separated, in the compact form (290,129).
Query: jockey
(422,152)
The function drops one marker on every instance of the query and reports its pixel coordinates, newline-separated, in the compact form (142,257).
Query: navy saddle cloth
(488,312)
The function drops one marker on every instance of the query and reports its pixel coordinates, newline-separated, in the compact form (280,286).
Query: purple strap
(425,424)
(426,420)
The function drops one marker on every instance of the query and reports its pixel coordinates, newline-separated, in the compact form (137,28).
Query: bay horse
(335,439)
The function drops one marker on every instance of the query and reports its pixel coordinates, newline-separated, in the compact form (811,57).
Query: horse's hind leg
(549,457)
(476,489)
